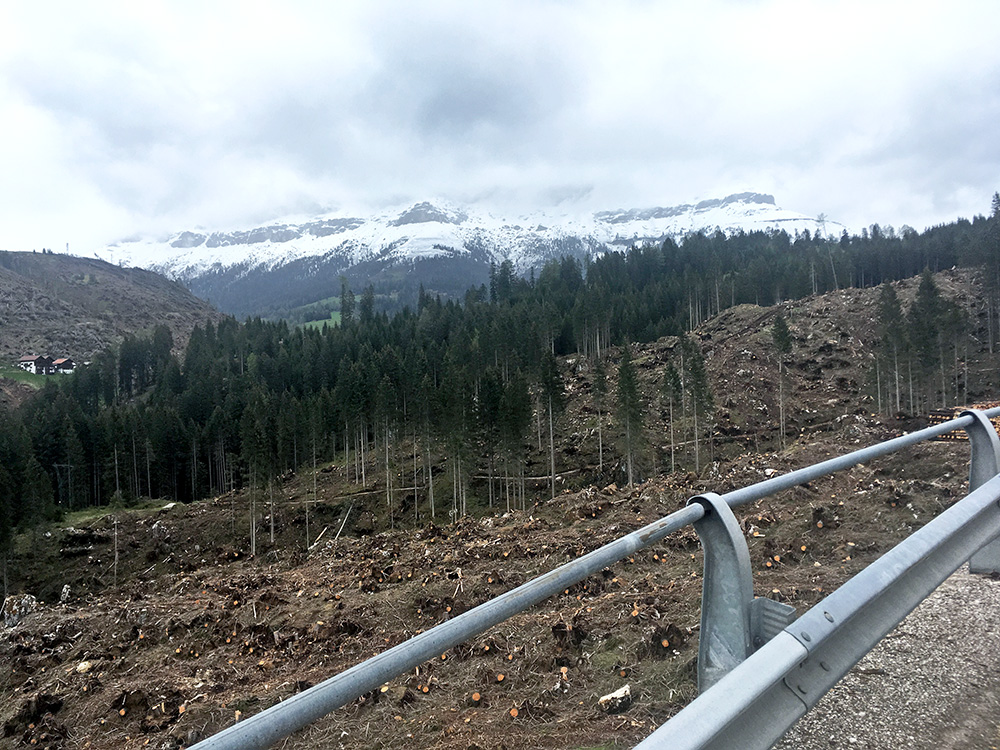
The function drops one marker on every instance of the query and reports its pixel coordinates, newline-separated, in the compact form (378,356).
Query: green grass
(333,320)
(86,515)
(13,372)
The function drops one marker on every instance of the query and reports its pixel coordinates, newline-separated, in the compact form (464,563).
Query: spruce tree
(515,424)
(892,335)
(924,329)
(629,411)
(702,400)
(600,392)
(672,392)
(346,303)
(782,339)
(553,397)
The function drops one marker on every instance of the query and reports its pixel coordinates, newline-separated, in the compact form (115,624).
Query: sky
(122,119)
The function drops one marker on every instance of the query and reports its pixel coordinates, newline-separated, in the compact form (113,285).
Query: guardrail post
(983,466)
(733,623)
(727,591)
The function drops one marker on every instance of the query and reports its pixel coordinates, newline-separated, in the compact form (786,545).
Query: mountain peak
(761,198)
(424,212)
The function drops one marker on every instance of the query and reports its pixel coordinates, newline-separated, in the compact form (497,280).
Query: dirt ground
(169,631)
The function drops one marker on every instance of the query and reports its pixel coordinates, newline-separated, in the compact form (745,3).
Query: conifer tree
(6,521)
(991,261)
(600,392)
(74,466)
(488,408)
(515,424)
(553,396)
(346,303)
(629,411)
(37,494)
(782,339)
(672,392)
(702,400)
(892,334)
(924,329)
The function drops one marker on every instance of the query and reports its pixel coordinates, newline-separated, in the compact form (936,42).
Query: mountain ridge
(230,267)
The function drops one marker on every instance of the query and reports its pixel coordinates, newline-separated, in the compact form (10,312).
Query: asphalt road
(931,684)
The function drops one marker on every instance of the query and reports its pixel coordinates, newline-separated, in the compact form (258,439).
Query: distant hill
(61,305)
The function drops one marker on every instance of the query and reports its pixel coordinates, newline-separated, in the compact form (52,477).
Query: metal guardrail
(760,688)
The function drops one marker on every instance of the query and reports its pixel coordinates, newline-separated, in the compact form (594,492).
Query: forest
(430,400)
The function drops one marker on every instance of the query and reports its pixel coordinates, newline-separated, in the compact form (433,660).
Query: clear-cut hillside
(67,306)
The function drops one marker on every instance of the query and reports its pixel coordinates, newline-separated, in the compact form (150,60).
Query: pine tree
(991,260)
(924,331)
(75,467)
(782,339)
(702,400)
(39,505)
(629,411)
(489,403)
(366,308)
(346,303)
(600,392)
(553,398)
(892,334)
(672,392)
(6,521)
(515,425)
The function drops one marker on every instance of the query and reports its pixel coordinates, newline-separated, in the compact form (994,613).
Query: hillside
(169,631)
(62,305)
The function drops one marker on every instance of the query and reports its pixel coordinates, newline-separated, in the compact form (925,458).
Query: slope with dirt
(62,305)
(169,632)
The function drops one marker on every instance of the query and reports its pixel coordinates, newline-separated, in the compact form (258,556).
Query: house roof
(61,361)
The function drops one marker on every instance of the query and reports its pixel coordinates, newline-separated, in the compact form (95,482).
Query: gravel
(933,683)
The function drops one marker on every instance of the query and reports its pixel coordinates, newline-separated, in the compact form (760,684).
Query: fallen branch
(311,546)
(343,523)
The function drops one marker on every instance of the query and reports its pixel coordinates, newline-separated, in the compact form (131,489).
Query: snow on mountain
(439,229)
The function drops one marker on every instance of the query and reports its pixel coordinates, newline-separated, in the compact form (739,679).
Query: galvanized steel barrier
(760,669)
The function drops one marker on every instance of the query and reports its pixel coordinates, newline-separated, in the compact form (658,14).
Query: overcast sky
(145,117)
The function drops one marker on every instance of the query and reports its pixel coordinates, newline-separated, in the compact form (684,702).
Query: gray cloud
(120,119)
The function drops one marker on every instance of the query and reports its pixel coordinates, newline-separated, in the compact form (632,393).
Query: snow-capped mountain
(447,247)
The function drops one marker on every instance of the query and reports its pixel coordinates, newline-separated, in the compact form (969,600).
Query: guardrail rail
(759,667)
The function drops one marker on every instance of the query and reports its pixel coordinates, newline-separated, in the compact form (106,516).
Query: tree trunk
(347,453)
(781,403)
(895,363)
(416,515)
(600,441)
(878,384)
(428,474)
(672,464)
(697,445)
(388,481)
(270,487)
(315,498)
(552,451)
(628,452)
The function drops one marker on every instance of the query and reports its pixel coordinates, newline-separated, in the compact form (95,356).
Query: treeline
(474,382)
